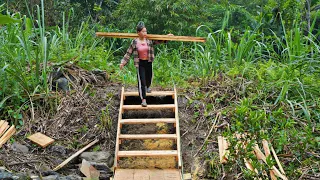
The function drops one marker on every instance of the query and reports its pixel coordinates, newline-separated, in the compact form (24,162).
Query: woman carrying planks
(143,56)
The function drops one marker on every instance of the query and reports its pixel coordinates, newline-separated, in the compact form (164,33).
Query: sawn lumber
(152,36)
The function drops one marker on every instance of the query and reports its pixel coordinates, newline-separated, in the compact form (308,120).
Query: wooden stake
(277,160)
(259,154)
(75,155)
(267,152)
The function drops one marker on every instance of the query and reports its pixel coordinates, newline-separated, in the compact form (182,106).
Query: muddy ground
(89,112)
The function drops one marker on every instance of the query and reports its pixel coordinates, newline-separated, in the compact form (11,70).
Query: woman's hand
(170,34)
(121,66)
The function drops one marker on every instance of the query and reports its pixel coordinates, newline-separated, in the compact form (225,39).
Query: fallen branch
(75,155)
(213,125)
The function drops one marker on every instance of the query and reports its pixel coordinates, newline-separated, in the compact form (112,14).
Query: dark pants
(144,77)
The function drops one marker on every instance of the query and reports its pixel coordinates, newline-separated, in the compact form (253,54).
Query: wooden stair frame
(148,153)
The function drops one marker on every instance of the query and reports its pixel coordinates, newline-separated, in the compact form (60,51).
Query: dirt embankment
(89,111)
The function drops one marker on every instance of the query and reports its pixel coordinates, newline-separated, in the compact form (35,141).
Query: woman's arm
(155,42)
(127,56)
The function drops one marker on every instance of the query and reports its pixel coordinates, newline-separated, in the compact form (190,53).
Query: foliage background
(267,51)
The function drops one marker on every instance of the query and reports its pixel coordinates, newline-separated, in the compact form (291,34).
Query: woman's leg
(148,74)
(142,80)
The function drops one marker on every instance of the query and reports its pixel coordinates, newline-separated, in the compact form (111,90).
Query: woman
(143,54)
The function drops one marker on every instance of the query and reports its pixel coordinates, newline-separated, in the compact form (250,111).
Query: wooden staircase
(137,174)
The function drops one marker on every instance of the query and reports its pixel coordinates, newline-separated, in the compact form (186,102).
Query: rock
(182,101)
(35,177)
(5,175)
(195,104)
(62,83)
(61,150)
(49,173)
(98,157)
(70,177)
(19,176)
(51,177)
(19,148)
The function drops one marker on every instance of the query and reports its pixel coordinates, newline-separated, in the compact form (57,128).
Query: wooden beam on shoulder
(152,37)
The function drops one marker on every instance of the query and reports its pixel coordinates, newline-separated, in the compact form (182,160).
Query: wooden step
(153,93)
(147,153)
(142,174)
(153,107)
(148,136)
(148,121)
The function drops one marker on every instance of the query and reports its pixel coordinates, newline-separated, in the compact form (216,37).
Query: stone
(19,148)
(62,83)
(61,150)
(51,177)
(70,177)
(100,156)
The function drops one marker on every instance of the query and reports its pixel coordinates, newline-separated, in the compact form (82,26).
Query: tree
(177,16)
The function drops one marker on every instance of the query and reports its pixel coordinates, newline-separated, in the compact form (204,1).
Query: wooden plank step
(148,121)
(154,107)
(148,136)
(148,153)
(142,174)
(153,93)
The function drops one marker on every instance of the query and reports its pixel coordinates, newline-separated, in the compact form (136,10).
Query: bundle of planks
(5,132)
(151,36)
(274,172)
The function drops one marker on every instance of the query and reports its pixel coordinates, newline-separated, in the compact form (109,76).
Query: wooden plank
(267,153)
(187,176)
(176,113)
(3,128)
(147,174)
(41,139)
(2,122)
(89,171)
(148,136)
(148,121)
(118,129)
(153,93)
(7,135)
(124,174)
(147,153)
(152,36)
(75,155)
(277,160)
(261,156)
(249,166)
(151,107)
(223,146)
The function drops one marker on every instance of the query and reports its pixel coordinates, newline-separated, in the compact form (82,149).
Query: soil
(90,111)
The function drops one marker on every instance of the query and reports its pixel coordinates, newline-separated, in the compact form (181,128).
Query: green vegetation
(265,54)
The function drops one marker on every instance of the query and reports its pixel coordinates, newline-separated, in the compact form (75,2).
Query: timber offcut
(152,36)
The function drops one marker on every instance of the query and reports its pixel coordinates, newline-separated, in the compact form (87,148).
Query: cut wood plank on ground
(41,139)
(3,127)
(89,171)
(223,145)
(75,155)
(152,36)
(7,134)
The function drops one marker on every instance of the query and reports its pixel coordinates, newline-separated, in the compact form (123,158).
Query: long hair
(140,26)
